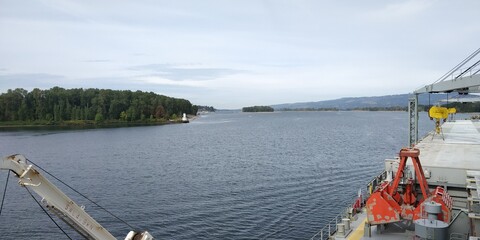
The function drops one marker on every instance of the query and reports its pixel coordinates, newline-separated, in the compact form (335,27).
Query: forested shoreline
(258,109)
(57,106)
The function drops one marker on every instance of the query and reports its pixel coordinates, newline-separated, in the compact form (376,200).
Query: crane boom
(59,203)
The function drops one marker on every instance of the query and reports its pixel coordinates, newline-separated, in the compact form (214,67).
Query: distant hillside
(400,100)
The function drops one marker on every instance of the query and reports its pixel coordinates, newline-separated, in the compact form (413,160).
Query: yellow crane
(437,113)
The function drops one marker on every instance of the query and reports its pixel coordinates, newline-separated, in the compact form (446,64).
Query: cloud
(235,54)
(168,73)
(139,54)
(98,60)
(158,80)
(29,81)
(399,10)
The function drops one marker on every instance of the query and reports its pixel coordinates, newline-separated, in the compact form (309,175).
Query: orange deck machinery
(393,203)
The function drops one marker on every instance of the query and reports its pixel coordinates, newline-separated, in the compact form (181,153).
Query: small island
(258,109)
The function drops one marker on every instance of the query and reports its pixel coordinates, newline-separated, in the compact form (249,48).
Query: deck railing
(331,227)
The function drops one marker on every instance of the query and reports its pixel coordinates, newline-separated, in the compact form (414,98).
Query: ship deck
(449,159)
(459,150)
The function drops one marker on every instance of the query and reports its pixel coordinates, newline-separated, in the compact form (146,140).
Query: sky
(230,53)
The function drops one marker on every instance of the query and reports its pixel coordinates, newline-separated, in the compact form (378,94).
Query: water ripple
(225,176)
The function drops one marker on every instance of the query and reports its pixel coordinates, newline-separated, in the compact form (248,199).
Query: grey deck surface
(460,149)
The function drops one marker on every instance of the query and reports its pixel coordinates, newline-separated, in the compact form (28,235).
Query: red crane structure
(394,202)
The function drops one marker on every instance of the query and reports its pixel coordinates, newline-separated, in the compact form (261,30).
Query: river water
(279,175)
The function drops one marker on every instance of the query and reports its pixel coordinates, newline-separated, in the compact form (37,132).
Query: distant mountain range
(400,100)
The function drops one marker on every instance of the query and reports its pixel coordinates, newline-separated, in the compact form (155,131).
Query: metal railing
(376,181)
(331,227)
(457,71)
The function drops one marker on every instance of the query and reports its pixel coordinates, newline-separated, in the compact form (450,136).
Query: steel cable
(458,66)
(468,69)
(476,72)
(61,229)
(4,192)
(96,204)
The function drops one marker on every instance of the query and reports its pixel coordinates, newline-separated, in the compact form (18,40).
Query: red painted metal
(391,203)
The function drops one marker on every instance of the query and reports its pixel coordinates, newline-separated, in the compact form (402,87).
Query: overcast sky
(231,54)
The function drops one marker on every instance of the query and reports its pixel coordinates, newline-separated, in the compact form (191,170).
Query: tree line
(464,107)
(395,108)
(307,109)
(206,108)
(58,104)
(374,109)
(258,109)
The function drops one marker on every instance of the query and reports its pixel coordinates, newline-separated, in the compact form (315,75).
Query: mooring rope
(61,229)
(4,192)
(96,204)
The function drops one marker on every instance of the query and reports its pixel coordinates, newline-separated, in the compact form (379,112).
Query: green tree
(159,112)
(258,109)
(123,116)
(98,117)
(59,104)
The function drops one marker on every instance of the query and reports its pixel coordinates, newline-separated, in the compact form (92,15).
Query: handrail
(330,228)
(456,68)
(468,70)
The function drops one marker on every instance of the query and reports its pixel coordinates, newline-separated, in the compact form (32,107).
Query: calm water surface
(276,175)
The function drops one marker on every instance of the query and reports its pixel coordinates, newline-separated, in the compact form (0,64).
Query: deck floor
(460,149)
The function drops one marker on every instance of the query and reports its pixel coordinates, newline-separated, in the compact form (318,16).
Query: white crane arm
(469,84)
(59,203)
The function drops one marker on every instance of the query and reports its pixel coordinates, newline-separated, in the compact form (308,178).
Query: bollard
(341,230)
(346,222)
(367,232)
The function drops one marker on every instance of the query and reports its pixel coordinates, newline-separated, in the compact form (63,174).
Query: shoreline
(83,125)
(88,124)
